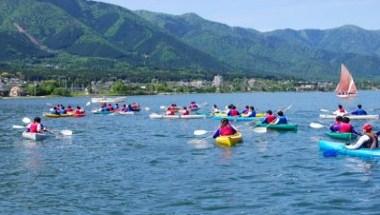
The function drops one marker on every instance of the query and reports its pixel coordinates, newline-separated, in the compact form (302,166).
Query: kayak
(163,116)
(358,117)
(341,136)
(224,114)
(125,112)
(279,127)
(339,148)
(101,112)
(230,140)
(108,100)
(34,136)
(52,115)
(78,115)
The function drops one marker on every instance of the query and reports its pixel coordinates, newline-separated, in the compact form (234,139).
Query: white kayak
(34,136)
(163,116)
(108,100)
(330,116)
(125,113)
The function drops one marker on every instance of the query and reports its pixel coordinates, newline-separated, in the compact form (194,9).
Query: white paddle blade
(26,120)
(316,125)
(147,109)
(200,132)
(162,107)
(18,126)
(324,110)
(66,132)
(260,130)
(88,103)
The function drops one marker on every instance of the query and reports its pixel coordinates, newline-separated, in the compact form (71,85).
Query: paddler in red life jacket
(233,111)
(69,109)
(193,106)
(172,109)
(79,110)
(225,129)
(340,111)
(185,111)
(110,108)
(35,126)
(346,127)
(367,140)
(269,117)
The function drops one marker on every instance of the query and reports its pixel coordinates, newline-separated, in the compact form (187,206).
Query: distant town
(13,86)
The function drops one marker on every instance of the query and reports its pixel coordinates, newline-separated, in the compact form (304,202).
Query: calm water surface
(134,165)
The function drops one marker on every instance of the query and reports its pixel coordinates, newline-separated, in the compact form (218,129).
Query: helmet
(367,127)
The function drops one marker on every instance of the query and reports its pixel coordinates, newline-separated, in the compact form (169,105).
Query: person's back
(281,119)
(233,112)
(359,111)
(269,117)
(367,140)
(35,126)
(225,129)
(185,111)
(340,111)
(335,127)
(345,126)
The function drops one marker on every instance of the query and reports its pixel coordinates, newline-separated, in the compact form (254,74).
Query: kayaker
(233,111)
(250,113)
(193,106)
(335,127)
(110,108)
(185,111)
(346,127)
(367,140)
(79,110)
(340,111)
(55,111)
(116,107)
(124,108)
(245,111)
(63,110)
(135,107)
(103,108)
(215,109)
(359,111)
(269,117)
(225,129)
(35,126)
(281,118)
(172,109)
(69,109)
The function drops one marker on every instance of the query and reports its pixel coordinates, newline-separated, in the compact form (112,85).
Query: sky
(266,15)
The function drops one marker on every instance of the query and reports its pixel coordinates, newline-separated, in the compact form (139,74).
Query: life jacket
(78,111)
(270,118)
(170,112)
(282,120)
(372,140)
(233,112)
(345,127)
(245,111)
(33,128)
(227,130)
(186,112)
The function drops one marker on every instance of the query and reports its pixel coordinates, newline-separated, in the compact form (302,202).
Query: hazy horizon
(270,15)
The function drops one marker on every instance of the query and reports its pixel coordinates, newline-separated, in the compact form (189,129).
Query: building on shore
(16,91)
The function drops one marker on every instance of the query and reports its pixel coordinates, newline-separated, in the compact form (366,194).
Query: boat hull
(230,140)
(340,148)
(352,117)
(34,136)
(341,136)
(279,127)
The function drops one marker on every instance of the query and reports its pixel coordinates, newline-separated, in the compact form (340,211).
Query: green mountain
(75,33)
(315,54)
(90,40)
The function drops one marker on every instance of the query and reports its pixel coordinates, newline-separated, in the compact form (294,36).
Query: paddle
(200,132)
(316,125)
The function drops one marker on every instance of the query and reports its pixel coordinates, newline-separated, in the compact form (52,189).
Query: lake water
(135,165)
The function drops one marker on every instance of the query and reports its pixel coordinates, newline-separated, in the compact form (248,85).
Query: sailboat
(346,87)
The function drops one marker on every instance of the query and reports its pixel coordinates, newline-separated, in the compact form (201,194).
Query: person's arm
(276,121)
(358,143)
(216,134)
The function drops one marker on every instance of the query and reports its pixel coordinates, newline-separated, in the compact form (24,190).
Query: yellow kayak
(229,140)
(52,115)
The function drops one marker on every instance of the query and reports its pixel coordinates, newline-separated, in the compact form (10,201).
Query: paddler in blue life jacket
(281,118)
(250,113)
(55,111)
(359,111)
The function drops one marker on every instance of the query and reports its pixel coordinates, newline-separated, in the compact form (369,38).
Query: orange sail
(346,86)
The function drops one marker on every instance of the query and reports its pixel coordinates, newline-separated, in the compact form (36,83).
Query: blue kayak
(340,148)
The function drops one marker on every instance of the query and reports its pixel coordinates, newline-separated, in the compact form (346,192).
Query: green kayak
(341,136)
(279,127)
